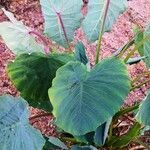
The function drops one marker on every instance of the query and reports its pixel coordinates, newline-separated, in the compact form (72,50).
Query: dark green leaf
(80,53)
(87,138)
(84,100)
(15,131)
(33,73)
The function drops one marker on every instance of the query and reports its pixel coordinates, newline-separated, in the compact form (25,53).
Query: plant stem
(39,116)
(130,54)
(138,86)
(125,111)
(101,31)
(63,28)
(46,48)
(125,48)
(136,48)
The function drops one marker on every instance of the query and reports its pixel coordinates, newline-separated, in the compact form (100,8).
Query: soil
(29,12)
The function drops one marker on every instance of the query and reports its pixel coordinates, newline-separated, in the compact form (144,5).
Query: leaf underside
(77,95)
(16,36)
(62,18)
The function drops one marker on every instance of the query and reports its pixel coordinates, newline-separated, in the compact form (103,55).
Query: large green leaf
(84,100)
(143,115)
(62,18)
(91,24)
(33,73)
(15,131)
(16,36)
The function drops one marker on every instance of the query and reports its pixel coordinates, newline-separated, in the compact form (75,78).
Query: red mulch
(29,12)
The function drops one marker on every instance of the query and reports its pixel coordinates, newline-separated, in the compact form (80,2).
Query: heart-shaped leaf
(143,115)
(33,73)
(84,100)
(15,131)
(16,36)
(91,24)
(62,18)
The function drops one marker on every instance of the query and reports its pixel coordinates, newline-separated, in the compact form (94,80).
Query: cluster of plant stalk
(86,100)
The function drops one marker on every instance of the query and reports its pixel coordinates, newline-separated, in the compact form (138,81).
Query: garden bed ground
(29,12)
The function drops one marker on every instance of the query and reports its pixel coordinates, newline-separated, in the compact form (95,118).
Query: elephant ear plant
(85,100)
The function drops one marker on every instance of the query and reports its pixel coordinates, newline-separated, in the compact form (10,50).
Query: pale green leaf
(17,38)
(15,131)
(69,11)
(91,24)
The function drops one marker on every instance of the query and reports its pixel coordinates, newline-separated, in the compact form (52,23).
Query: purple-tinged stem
(46,48)
(63,28)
